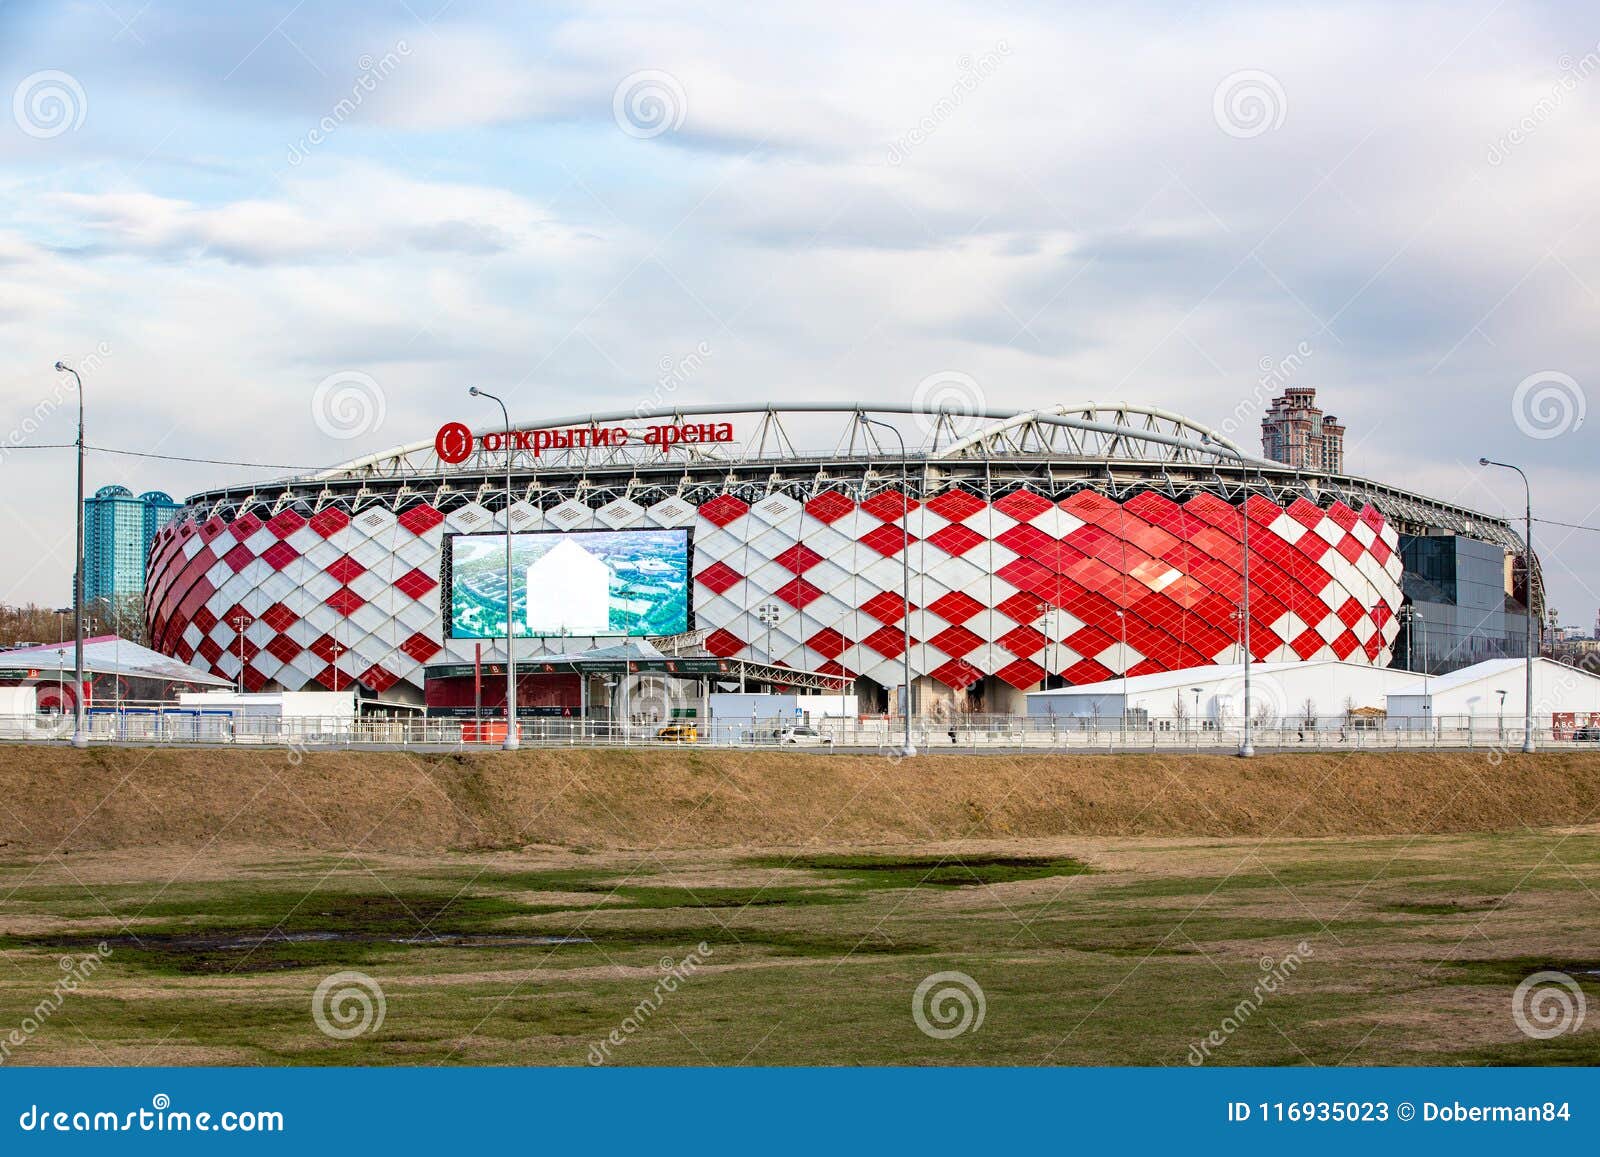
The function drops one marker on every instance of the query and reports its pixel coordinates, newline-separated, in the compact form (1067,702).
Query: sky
(293,233)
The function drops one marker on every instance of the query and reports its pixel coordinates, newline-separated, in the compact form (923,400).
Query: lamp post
(1247,749)
(80,737)
(1527,543)
(905,575)
(511,743)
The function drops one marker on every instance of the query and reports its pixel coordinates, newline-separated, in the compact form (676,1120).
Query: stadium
(1053,547)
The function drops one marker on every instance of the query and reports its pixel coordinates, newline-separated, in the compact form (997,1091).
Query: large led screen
(574,582)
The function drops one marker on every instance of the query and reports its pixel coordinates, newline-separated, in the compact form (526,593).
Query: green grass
(1412,948)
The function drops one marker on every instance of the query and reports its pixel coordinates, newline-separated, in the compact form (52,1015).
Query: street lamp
(905,573)
(1247,749)
(80,737)
(511,743)
(1527,541)
(1502,727)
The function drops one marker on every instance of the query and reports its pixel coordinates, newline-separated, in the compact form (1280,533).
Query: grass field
(1087,950)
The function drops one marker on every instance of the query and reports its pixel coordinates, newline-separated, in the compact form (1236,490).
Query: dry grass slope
(56,798)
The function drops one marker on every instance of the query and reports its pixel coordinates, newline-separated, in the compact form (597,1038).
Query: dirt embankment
(57,799)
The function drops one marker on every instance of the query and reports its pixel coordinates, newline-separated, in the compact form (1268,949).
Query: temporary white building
(1476,692)
(1320,694)
(569,592)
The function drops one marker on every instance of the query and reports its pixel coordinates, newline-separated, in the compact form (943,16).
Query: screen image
(574,582)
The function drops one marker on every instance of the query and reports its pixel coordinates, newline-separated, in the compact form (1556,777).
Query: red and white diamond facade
(1011,579)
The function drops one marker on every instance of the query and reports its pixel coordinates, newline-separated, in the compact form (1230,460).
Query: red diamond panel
(1022,505)
(279,617)
(955,607)
(723,509)
(1022,674)
(420,647)
(724,644)
(414,584)
(285,523)
(342,570)
(957,673)
(379,679)
(345,601)
(955,505)
(799,558)
(886,607)
(420,519)
(829,643)
(279,555)
(718,577)
(887,641)
(955,539)
(1023,641)
(329,522)
(798,593)
(284,648)
(239,558)
(888,505)
(1022,608)
(956,641)
(829,506)
(886,539)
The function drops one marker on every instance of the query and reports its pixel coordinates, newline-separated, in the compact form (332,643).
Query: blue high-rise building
(117,531)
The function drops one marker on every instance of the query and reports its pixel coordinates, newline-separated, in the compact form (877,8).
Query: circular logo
(47,104)
(649,103)
(453,443)
(1249,103)
(348,1004)
(1547,1004)
(948,1004)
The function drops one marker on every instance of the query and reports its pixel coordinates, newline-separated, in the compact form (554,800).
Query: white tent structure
(1475,693)
(1319,694)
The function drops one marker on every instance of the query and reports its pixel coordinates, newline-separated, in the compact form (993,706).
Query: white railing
(981,734)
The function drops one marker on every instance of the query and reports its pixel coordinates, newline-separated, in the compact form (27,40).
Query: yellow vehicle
(679,733)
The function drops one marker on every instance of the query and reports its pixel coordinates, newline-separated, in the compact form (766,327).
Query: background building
(1297,433)
(117,532)
(1464,604)
(1079,543)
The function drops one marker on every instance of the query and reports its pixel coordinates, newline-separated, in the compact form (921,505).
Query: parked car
(679,733)
(803,737)
(1587,735)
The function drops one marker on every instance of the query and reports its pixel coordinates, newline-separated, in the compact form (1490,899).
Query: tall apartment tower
(117,531)
(1297,433)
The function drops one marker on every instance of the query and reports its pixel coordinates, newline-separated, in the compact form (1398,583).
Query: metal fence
(990,734)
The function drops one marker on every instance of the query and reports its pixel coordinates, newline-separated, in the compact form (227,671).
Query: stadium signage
(454,443)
